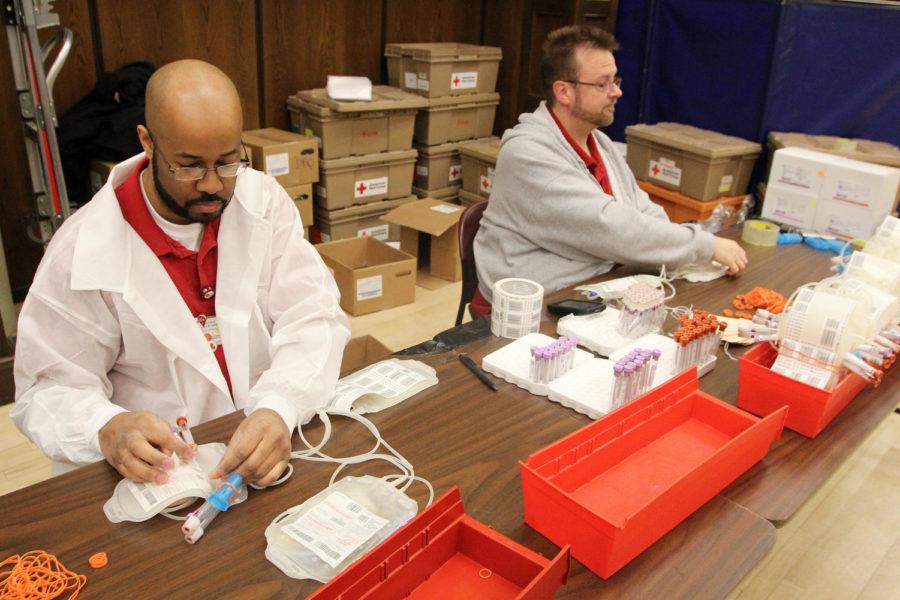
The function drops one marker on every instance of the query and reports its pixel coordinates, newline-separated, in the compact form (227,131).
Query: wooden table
(457,433)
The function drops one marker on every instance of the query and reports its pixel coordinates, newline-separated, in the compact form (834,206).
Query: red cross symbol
(456,80)
(484,183)
(655,169)
(362,188)
(453,173)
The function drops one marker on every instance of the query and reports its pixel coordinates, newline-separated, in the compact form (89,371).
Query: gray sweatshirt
(549,220)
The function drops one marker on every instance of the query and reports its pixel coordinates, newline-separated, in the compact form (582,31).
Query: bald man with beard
(184,288)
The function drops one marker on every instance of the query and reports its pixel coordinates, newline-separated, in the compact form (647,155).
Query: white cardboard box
(789,207)
(829,194)
(800,170)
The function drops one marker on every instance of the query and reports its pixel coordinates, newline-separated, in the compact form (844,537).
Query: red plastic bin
(762,391)
(444,553)
(616,486)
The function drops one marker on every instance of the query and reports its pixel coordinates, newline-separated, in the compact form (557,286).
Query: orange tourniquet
(37,575)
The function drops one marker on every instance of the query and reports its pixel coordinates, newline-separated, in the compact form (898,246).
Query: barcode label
(334,528)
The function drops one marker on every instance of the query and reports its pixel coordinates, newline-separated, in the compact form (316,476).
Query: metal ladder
(34,87)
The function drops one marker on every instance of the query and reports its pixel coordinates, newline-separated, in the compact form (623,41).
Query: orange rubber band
(99,560)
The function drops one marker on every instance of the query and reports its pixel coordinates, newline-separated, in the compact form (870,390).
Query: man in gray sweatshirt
(565,207)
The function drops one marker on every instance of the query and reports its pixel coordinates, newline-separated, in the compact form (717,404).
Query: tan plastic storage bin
(468,199)
(443,69)
(353,128)
(456,118)
(479,159)
(698,163)
(447,194)
(363,179)
(438,166)
(359,221)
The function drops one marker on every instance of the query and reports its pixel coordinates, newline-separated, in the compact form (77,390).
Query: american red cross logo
(655,169)
(456,80)
(453,173)
(484,183)
(361,189)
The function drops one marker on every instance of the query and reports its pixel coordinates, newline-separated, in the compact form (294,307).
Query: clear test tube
(629,383)
(654,363)
(532,371)
(617,385)
(887,343)
(539,365)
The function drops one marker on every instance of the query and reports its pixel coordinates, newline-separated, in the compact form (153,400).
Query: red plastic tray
(444,553)
(616,486)
(762,391)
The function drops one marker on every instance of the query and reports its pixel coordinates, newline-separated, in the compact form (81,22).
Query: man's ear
(146,141)
(563,92)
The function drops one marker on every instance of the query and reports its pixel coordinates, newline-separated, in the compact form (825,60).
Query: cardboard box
(292,159)
(800,170)
(434,70)
(479,159)
(303,200)
(99,173)
(359,221)
(789,207)
(371,275)
(361,352)
(468,199)
(447,194)
(440,221)
(829,194)
(364,179)
(354,128)
(698,163)
(456,118)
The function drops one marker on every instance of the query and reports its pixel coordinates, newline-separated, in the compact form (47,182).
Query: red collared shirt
(193,273)
(593,161)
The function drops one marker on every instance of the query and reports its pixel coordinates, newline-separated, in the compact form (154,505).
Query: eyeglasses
(196,173)
(601,87)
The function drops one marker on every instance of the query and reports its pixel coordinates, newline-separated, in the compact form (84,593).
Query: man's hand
(259,449)
(139,445)
(730,254)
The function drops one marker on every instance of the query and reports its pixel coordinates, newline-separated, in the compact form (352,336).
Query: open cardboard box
(438,220)
(361,352)
(371,275)
(292,159)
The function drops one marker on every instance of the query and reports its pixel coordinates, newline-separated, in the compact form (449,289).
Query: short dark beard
(184,211)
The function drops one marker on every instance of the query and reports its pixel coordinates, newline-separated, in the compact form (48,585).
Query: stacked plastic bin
(690,171)
(458,83)
(367,158)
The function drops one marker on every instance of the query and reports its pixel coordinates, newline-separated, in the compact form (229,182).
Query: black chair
(468,227)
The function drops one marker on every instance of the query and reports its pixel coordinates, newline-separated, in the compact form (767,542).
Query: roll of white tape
(516,307)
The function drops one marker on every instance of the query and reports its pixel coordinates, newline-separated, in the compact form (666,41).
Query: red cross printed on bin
(485,183)
(655,169)
(361,189)
(453,173)
(456,80)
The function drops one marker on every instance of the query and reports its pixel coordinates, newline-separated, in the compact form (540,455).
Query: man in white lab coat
(184,288)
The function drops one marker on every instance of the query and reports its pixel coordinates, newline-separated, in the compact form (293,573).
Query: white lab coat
(104,330)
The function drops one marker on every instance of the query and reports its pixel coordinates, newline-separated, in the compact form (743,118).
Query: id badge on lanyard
(209,326)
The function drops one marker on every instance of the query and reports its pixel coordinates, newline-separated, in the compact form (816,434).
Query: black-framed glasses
(196,173)
(601,87)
